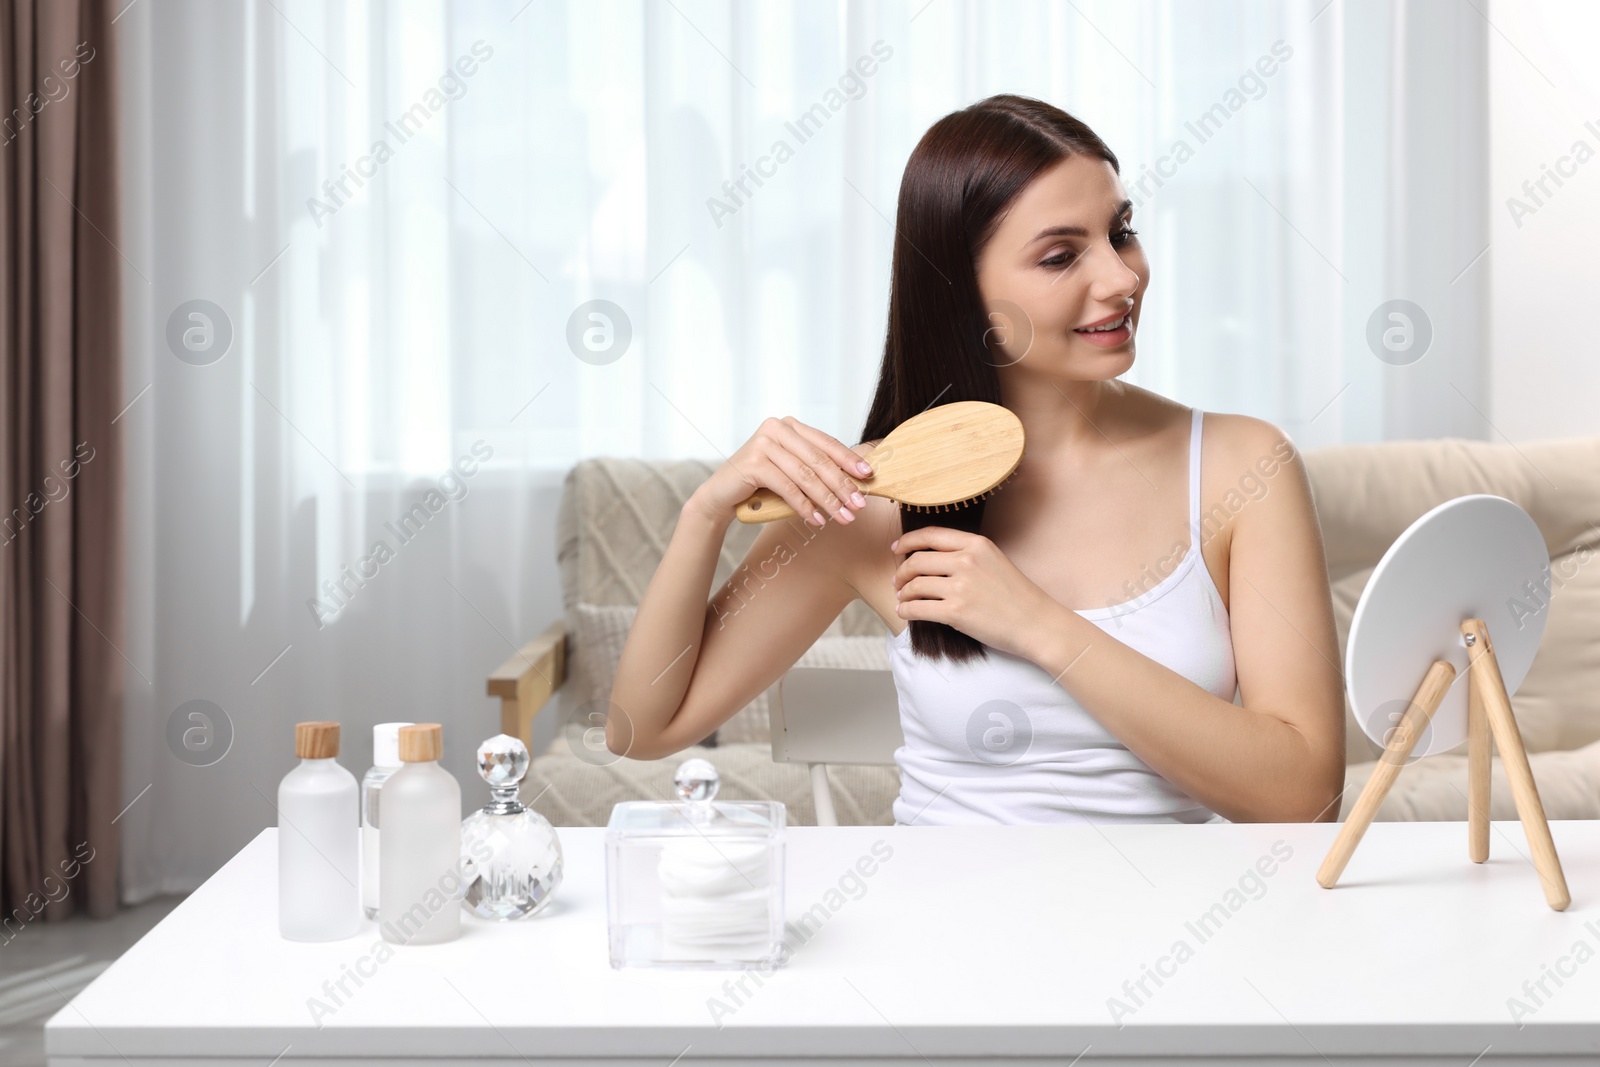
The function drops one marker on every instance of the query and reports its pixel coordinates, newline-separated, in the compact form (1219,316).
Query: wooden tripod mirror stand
(1469,560)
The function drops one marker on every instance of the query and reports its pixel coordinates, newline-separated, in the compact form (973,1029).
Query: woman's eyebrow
(1078,231)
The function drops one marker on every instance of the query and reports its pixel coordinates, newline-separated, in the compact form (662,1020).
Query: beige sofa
(617,515)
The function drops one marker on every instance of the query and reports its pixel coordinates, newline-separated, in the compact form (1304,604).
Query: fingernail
(893,543)
(863,467)
(820,521)
(844,515)
(858,500)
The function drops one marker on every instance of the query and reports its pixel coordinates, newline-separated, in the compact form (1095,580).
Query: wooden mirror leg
(1479,751)
(1491,690)
(1416,718)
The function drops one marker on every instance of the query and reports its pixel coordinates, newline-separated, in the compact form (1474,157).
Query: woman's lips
(1104,338)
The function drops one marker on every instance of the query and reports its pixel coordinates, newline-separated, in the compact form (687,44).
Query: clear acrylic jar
(696,884)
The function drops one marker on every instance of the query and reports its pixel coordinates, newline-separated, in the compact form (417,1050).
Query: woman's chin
(1107,362)
(1079,363)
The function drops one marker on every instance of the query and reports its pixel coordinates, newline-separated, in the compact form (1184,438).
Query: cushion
(600,631)
(1435,788)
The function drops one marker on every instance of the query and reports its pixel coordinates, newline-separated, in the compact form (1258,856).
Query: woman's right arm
(689,665)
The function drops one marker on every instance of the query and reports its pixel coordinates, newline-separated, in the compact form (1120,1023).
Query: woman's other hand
(964,580)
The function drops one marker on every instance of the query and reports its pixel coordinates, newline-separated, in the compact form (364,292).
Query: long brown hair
(962,175)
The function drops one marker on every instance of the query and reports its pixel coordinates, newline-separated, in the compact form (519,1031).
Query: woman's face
(1062,260)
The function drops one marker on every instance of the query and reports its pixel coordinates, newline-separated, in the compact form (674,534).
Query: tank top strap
(1194,478)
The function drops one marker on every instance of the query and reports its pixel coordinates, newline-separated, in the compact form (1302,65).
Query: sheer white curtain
(399,214)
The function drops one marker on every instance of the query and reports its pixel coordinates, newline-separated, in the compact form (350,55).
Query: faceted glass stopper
(696,780)
(502,760)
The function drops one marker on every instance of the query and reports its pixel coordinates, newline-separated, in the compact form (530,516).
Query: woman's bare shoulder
(1246,440)
(1227,434)
(848,550)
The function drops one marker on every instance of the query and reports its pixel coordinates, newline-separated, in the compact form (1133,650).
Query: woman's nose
(1109,276)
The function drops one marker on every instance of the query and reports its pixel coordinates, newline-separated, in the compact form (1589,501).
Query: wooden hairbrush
(944,458)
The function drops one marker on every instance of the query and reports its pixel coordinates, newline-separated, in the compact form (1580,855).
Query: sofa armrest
(526,682)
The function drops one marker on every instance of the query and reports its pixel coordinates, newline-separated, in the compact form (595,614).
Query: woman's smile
(1109,332)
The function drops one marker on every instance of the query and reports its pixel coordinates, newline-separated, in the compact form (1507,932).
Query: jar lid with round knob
(690,806)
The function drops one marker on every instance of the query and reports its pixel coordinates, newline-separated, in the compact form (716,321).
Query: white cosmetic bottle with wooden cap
(419,844)
(318,837)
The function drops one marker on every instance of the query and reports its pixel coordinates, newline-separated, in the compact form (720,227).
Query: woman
(1018,279)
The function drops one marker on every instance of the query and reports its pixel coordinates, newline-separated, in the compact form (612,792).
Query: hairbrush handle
(764,506)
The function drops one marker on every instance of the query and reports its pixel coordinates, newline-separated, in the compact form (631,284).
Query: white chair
(823,715)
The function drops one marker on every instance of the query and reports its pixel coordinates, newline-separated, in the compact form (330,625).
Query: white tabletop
(964,942)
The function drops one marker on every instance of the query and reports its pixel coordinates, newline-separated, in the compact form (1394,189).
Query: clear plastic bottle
(385,761)
(419,844)
(318,898)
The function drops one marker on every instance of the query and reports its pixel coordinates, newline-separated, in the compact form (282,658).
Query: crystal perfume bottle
(510,855)
(698,883)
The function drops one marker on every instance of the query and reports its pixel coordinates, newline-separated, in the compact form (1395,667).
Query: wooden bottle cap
(421,741)
(316,740)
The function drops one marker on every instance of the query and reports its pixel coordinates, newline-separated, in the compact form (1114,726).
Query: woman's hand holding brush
(813,472)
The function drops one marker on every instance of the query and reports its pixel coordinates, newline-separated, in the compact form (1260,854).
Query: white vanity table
(996,945)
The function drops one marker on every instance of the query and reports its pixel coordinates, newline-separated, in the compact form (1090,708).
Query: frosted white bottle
(385,761)
(318,873)
(420,882)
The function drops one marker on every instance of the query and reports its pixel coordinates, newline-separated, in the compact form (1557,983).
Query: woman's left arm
(1279,757)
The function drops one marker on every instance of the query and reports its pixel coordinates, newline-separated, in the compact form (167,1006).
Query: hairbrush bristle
(931,508)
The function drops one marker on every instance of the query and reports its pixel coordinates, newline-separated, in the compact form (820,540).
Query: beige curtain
(61,674)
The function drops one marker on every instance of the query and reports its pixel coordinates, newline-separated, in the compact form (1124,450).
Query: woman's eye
(1065,259)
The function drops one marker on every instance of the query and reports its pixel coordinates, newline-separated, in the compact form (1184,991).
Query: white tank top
(996,740)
